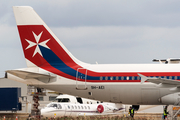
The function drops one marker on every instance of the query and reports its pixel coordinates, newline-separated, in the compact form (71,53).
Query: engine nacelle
(170,99)
(136,107)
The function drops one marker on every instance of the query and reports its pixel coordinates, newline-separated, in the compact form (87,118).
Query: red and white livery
(50,65)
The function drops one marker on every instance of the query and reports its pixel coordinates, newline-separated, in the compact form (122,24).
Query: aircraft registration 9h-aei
(51,66)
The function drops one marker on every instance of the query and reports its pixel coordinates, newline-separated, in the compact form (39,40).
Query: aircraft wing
(31,75)
(159,80)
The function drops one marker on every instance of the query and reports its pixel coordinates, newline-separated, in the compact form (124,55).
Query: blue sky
(116,31)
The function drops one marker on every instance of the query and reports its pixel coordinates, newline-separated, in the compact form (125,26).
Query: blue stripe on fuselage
(57,63)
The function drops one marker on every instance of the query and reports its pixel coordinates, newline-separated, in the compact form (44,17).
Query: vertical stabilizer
(40,45)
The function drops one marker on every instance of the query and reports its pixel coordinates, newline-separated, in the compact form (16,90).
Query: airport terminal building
(26,99)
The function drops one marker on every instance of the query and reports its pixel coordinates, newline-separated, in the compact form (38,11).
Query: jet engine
(170,99)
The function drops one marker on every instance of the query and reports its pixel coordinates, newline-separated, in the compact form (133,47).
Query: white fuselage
(56,109)
(118,91)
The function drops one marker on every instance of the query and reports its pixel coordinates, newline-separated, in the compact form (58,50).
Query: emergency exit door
(81,77)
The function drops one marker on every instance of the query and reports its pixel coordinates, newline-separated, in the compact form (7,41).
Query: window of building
(41,98)
(52,98)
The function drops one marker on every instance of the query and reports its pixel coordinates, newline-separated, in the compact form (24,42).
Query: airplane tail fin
(40,45)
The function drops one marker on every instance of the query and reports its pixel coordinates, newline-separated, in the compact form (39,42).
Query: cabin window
(111,78)
(85,107)
(101,78)
(79,99)
(122,77)
(117,78)
(170,77)
(106,78)
(82,107)
(88,107)
(127,78)
(79,107)
(68,107)
(132,77)
(72,107)
(75,107)
(138,78)
(175,77)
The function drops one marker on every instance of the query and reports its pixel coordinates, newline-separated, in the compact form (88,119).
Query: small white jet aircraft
(51,66)
(56,109)
(67,105)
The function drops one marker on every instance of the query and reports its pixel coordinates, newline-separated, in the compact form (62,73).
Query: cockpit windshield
(52,105)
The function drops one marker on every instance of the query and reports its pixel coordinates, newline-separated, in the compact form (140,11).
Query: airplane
(56,109)
(51,66)
(67,105)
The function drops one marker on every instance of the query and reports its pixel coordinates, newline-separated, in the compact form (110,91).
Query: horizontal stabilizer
(31,75)
(167,61)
